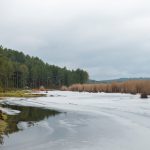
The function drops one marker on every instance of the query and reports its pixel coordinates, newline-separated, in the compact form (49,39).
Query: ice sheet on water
(113,121)
(9,111)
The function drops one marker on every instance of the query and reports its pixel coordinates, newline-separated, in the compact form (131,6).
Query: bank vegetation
(133,87)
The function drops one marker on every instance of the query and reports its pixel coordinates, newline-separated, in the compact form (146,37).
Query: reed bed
(133,87)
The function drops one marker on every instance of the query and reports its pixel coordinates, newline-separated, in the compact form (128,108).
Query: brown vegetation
(133,87)
(144,95)
(64,88)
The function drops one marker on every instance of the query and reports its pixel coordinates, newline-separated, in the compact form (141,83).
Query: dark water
(50,129)
(27,114)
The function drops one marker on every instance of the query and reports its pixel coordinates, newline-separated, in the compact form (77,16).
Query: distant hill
(116,80)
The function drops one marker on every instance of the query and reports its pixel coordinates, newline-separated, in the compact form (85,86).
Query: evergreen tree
(18,70)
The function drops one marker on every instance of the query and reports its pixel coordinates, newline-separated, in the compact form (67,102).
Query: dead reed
(132,86)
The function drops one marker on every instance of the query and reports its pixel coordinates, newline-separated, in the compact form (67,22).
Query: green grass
(3,123)
(19,93)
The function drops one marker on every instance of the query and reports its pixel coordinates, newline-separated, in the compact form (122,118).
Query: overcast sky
(108,38)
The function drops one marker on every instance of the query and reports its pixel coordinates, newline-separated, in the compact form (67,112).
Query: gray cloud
(109,38)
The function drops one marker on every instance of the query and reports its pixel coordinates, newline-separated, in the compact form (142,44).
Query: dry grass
(19,93)
(64,88)
(135,86)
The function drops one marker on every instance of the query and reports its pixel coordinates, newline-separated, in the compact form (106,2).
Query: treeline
(18,70)
(133,87)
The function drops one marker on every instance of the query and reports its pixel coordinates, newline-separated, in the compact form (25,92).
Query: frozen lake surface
(89,121)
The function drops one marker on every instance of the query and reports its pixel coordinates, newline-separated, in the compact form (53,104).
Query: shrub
(64,88)
(1,90)
(144,95)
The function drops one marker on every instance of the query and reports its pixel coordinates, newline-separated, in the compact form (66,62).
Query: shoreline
(21,93)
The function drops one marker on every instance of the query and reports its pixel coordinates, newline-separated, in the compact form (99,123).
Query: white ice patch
(22,125)
(9,111)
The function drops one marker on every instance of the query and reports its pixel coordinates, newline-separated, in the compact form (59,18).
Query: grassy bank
(19,93)
(3,126)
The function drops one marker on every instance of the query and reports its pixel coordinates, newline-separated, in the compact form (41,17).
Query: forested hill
(18,70)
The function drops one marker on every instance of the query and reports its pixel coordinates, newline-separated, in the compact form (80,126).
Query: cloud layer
(108,38)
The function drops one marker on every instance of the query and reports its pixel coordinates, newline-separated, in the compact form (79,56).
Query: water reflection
(30,115)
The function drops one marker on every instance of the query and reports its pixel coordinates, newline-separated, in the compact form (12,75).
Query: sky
(108,38)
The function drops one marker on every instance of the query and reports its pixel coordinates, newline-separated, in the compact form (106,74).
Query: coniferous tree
(18,70)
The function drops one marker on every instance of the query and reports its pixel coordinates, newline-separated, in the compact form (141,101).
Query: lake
(77,121)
